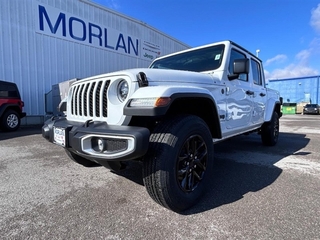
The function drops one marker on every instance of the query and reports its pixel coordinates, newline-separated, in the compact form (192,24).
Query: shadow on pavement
(242,165)
(231,181)
(233,178)
(21,132)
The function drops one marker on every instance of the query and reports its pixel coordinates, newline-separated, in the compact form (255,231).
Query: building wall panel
(296,90)
(36,61)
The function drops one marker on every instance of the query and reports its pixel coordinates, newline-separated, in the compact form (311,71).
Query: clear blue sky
(287,32)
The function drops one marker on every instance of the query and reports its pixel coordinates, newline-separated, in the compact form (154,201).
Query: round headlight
(123,90)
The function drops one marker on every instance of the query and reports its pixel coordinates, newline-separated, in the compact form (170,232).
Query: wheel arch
(275,106)
(199,105)
(6,107)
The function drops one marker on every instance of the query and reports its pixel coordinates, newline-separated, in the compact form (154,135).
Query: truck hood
(165,76)
(158,76)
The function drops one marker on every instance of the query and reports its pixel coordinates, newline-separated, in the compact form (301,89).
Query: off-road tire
(10,121)
(270,131)
(179,162)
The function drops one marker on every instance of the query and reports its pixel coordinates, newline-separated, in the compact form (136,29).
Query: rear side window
(8,91)
(256,72)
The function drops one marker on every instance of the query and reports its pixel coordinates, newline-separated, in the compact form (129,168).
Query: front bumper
(311,111)
(98,141)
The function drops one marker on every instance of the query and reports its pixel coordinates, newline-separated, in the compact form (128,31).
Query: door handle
(249,92)
(262,94)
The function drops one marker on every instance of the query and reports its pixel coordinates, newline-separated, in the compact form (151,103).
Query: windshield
(311,105)
(200,60)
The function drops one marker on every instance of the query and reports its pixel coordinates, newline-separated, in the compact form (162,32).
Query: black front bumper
(310,111)
(121,142)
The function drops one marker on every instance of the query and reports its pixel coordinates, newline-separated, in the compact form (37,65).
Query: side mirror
(239,66)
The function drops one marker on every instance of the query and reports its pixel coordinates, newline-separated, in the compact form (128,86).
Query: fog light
(99,145)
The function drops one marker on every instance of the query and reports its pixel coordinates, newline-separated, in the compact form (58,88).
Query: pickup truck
(168,116)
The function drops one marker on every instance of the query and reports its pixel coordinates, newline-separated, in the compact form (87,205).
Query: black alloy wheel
(192,163)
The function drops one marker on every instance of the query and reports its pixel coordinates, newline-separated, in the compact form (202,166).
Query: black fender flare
(212,116)
(4,107)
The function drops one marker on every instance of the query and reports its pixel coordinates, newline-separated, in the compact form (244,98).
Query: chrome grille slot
(97,99)
(85,97)
(105,100)
(80,100)
(89,99)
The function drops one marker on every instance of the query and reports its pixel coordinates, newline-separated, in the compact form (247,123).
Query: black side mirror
(239,66)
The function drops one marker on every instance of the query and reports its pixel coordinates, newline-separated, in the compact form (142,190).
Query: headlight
(150,102)
(123,90)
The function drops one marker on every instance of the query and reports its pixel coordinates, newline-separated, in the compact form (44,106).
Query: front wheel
(179,163)
(270,131)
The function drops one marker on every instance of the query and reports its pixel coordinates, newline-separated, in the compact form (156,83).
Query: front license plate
(59,136)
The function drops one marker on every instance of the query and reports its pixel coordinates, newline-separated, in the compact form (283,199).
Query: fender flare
(203,95)
(172,92)
(4,107)
(271,104)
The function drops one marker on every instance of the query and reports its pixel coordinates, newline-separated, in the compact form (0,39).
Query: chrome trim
(87,148)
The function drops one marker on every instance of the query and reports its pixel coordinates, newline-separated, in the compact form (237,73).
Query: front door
(239,97)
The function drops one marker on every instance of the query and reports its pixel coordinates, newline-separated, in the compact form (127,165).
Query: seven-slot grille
(89,99)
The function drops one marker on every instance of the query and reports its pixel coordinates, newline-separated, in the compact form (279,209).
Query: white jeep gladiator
(169,116)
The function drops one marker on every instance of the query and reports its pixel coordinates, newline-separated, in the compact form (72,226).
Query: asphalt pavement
(257,192)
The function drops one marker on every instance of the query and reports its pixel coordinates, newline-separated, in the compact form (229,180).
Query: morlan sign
(52,21)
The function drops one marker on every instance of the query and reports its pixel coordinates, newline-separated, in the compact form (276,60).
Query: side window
(256,72)
(237,55)
(8,91)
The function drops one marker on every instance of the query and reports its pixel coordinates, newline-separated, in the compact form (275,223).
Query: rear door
(258,88)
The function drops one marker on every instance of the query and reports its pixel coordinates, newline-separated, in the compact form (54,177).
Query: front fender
(156,92)
(166,91)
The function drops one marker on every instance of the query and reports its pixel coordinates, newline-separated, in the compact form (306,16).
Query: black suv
(311,109)
(10,106)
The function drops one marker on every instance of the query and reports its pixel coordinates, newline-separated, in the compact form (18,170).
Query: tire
(179,162)
(80,160)
(270,131)
(10,121)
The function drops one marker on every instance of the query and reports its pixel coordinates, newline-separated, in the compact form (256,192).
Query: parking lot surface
(257,192)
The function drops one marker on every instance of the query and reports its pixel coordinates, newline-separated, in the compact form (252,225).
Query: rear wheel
(10,120)
(179,163)
(270,131)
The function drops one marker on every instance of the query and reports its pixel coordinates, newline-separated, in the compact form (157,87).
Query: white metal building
(45,42)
